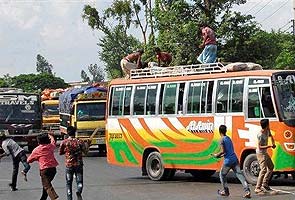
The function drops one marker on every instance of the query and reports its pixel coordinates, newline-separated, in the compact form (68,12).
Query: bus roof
(202,76)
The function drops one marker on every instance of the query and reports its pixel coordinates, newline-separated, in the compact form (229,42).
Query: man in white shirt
(10,147)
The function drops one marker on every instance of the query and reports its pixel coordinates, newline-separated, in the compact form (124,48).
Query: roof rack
(182,70)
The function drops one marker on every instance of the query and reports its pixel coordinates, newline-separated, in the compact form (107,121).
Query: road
(105,182)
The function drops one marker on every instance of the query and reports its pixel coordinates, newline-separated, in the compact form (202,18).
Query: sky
(56,30)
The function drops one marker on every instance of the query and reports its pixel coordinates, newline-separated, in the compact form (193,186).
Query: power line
(263,7)
(248,12)
(285,24)
(275,11)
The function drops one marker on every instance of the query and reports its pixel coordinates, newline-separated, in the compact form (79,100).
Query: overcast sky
(55,29)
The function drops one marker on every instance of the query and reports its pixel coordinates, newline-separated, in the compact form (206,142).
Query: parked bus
(167,119)
(20,116)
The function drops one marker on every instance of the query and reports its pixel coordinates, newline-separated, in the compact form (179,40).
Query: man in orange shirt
(209,53)
(164,57)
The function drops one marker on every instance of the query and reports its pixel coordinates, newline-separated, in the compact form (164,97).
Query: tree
(35,82)
(43,66)
(96,73)
(116,42)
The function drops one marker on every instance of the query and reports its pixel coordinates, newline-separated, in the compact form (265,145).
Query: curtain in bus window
(139,100)
(127,98)
(117,101)
(194,95)
(236,95)
(222,96)
(169,99)
(151,100)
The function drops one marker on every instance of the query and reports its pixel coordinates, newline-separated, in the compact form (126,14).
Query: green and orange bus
(167,119)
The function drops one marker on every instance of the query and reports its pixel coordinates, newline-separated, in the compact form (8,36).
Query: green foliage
(176,24)
(43,66)
(116,43)
(37,82)
(96,72)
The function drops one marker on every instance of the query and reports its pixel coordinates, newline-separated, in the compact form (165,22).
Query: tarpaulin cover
(66,99)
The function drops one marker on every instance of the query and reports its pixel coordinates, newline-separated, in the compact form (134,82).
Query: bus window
(222,96)
(180,98)
(267,103)
(151,99)
(194,95)
(117,100)
(260,104)
(139,100)
(206,104)
(236,95)
(127,98)
(169,98)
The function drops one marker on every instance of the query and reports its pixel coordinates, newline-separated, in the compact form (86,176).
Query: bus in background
(50,111)
(20,116)
(84,108)
(167,119)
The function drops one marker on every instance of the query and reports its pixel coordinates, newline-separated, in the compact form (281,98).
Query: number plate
(99,141)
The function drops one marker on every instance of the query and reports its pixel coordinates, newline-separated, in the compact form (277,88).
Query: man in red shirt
(209,53)
(73,149)
(164,57)
(44,154)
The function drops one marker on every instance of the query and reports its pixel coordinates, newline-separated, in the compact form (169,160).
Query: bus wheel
(201,174)
(251,168)
(155,168)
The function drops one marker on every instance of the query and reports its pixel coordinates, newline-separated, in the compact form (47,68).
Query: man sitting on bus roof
(132,61)
(164,57)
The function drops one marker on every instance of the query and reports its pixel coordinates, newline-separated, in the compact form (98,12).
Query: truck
(50,111)
(84,108)
(20,116)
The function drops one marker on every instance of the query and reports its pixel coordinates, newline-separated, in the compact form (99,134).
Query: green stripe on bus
(210,160)
(212,148)
(283,160)
(122,148)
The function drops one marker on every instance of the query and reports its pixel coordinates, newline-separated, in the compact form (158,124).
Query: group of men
(71,147)
(231,161)
(164,59)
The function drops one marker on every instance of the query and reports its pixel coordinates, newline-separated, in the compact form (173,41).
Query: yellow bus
(167,119)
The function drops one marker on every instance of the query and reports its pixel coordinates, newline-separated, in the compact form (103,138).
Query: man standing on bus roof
(230,162)
(10,147)
(164,57)
(265,162)
(209,53)
(132,61)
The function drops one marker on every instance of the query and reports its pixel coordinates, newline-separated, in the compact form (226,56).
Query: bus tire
(251,169)
(155,167)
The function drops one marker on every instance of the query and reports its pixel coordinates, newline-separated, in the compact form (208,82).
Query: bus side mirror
(72,111)
(42,107)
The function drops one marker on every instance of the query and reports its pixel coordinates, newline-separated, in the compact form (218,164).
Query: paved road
(105,182)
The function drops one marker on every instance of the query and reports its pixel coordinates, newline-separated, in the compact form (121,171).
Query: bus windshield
(51,110)
(19,108)
(285,85)
(91,111)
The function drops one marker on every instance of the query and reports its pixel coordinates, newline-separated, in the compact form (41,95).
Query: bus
(21,116)
(167,119)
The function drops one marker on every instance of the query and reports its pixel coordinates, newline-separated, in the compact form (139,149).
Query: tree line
(172,25)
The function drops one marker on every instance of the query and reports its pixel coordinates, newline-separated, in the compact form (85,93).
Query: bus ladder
(182,70)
